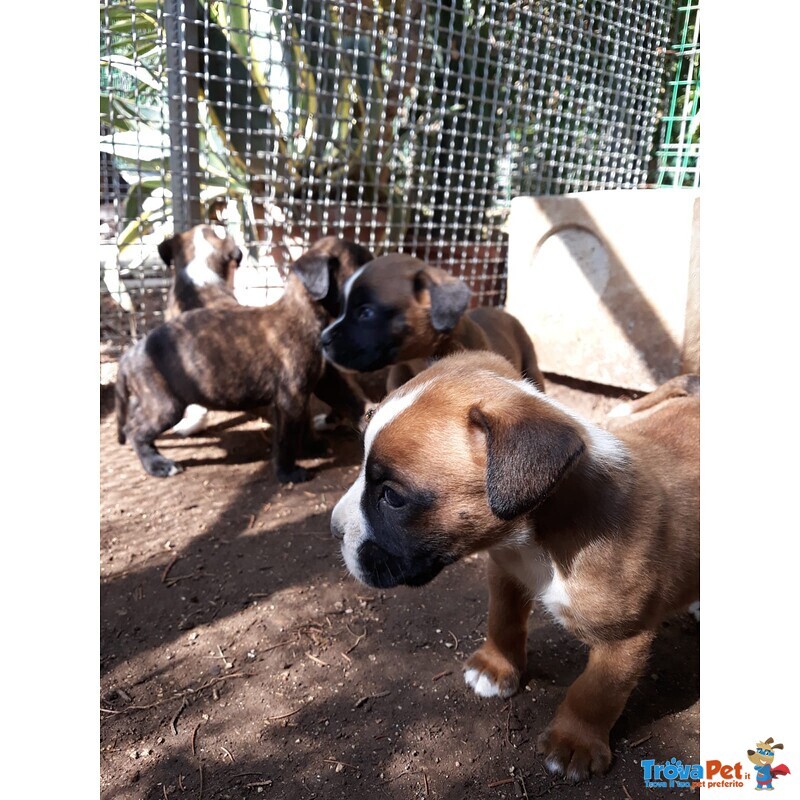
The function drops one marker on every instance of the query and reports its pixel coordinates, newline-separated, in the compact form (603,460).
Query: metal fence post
(181,22)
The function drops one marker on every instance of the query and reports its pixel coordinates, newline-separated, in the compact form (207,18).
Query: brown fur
(237,358)
(514,474)
(436,321)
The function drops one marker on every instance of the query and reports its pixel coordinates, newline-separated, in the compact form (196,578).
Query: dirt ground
(240,660)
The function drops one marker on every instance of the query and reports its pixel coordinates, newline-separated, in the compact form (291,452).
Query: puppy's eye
(392,498)
(369,414)
(365,313)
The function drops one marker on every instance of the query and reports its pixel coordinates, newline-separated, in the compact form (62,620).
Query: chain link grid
(402,124)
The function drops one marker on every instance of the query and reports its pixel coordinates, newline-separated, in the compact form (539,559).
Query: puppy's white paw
(694,610)
(622,410)
(194,420)
(484,686)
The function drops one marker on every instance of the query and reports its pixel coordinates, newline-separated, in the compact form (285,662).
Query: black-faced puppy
(204,265)
(602,529)
(400,311)
(237,358)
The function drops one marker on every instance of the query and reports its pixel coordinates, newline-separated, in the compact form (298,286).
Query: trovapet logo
(715,774)
(677,775)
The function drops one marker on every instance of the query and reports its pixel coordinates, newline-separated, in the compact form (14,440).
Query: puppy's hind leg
(495,669)
(346,401)
(289,429)
(153,462)
(149,420)
(681,386)
(312,445)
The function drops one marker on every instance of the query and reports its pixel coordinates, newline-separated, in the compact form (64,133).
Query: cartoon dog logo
(762,757)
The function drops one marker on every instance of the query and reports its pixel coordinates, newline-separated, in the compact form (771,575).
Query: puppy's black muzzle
(384,570)
(354,350)
(328,336)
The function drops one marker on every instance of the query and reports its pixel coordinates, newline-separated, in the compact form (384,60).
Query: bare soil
(240,660)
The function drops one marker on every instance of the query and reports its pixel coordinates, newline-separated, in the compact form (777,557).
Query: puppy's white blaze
(198,271)
(348,517)
(348,285)
(392,408)
(194,420)
(605,448)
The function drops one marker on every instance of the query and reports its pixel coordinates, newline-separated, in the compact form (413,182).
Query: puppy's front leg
(575,743)
(495,669)
(345,400)
(286,446)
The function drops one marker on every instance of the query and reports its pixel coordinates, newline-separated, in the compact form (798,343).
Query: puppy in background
(238,358)
(400,311)
(602,529)
(204,265)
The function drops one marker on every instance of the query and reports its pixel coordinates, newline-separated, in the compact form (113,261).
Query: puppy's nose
(327,337)
(336,529)
(237,255)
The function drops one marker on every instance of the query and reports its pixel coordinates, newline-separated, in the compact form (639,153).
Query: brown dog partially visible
(204,265)
(238,358)
(601,528)
(400,311)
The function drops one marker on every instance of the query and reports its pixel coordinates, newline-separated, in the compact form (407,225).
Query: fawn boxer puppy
(203,268)
(237,358)
(400,311)
(602,529)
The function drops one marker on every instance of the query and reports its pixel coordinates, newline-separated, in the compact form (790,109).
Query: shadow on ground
(237,652)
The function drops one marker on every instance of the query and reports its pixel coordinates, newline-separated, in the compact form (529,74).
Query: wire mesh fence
(679,145)
(401,124)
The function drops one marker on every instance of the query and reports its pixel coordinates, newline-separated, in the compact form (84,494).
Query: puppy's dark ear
(314,270)
(526,456)
(449,296)
(165,250)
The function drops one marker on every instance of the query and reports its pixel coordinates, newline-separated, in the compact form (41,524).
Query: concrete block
(601,282)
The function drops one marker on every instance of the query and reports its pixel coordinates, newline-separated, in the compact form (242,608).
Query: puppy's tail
(121,404)
(530,366)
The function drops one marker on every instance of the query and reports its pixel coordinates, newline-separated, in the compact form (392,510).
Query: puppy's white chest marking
(200,274)
(531,566)
(555,597)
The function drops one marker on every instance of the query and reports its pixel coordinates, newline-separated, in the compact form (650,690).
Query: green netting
(679,139)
